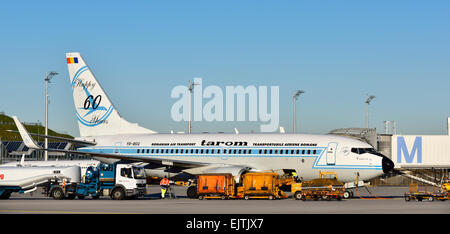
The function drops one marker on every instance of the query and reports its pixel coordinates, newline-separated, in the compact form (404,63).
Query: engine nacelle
(236,171)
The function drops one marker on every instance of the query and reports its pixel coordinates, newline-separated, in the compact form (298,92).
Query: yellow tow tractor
(326,187)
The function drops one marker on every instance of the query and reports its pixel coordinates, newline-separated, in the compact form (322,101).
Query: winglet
(29,142)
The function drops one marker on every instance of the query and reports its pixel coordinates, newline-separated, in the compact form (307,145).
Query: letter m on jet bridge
(402,150)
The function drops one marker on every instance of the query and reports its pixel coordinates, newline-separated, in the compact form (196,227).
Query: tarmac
(373,200)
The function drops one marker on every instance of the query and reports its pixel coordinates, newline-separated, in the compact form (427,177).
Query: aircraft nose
(387,164)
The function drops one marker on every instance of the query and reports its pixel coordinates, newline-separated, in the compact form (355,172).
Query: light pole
(296,95)
(48,77)
(190,88)
(368,100)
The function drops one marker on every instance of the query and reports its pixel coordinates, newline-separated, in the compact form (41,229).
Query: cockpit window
(363,150)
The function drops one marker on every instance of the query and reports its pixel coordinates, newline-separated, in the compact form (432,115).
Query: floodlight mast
(296,95)
(368,100)
(48,77)
(190,88)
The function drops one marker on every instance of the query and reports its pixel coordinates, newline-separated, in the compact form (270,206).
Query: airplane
(108,137)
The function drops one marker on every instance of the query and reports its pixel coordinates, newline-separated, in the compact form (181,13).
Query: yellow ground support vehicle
(261,185)
(326,187)
(423,195)
(446,185)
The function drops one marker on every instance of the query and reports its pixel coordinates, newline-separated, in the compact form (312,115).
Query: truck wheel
(270,197)
(407,198)
(246,197)
(431,198)
(57,193)
(200,197)
(118,194)
(298,195)
(81,197)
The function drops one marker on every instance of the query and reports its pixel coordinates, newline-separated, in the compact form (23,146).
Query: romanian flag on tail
(72,60)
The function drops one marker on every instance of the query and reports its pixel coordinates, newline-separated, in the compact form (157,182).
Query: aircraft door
(331,153)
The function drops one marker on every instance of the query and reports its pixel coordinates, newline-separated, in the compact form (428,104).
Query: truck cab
(131,178)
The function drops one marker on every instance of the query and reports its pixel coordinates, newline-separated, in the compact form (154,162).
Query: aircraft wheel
(192,192)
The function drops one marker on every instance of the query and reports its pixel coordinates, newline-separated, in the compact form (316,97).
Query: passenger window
(309,151)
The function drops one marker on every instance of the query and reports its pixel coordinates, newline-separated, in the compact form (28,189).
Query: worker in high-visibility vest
(164,186)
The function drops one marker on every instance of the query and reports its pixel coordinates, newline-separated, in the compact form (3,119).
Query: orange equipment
(215,186)
(261,185)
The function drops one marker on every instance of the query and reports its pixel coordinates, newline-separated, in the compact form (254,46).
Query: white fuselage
(83,164)
(306,153)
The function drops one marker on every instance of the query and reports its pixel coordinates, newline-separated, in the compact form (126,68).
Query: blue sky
(337,51)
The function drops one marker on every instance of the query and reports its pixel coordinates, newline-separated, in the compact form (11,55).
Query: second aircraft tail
(95,112)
